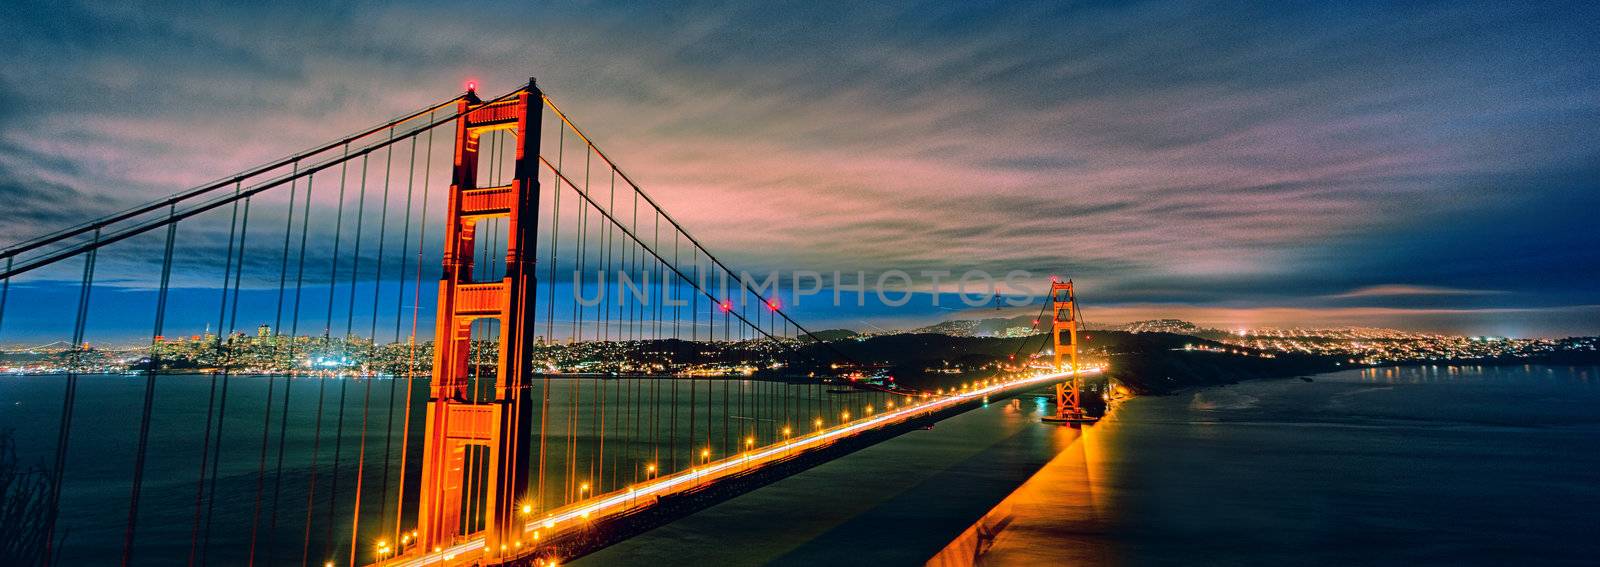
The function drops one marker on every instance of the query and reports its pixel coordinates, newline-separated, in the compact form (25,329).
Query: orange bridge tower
(474,438)
(1064,324)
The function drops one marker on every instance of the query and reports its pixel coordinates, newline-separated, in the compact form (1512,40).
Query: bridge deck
(579,515)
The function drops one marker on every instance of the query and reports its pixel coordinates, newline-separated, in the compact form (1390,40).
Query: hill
(1147,363)
(833,335)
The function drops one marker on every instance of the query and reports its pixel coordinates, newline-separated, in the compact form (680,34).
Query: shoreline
(1184,371)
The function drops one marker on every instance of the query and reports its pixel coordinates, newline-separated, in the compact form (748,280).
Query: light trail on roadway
(582,513)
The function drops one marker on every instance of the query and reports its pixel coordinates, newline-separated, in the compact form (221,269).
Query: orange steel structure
(463,427)
(1064,303)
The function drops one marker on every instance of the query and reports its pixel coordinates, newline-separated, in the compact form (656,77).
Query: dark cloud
(1187,155)
(31,204)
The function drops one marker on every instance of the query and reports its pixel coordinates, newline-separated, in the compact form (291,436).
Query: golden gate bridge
(534,425)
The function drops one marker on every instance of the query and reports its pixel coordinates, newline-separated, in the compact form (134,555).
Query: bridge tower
(462,426)
(1064,324)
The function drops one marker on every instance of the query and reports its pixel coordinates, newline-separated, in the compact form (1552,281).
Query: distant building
(1012,332)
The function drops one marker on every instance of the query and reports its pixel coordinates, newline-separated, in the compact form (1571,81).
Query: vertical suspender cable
(328,348)
(278,343)
(636,312)
(582,276)
(149,390)
(294,331)
(656,342)
(609,241)
(311,484)
(550,328)
(305,223)
(694,339)
(366,396)
(205,451)
(672,438)
(416,302)
(5,291)
(377,284)
(272,377)
(575,385)
(68,401)
(225,344)
(329,342)
(407,371)
(578,281)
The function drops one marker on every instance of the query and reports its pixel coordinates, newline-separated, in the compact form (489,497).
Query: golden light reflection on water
(1058,517)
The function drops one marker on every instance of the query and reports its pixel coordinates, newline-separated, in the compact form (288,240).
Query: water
(1430,465)
(666,423)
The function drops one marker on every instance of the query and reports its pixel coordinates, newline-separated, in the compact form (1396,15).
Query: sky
(1415,165)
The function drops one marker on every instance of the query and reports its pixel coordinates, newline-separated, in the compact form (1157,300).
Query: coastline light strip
(664,485)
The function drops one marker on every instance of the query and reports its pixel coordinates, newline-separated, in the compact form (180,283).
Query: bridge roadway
(578,515)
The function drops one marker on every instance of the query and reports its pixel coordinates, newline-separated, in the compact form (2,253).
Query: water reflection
(1428,464)
(1057,517)
(283,467)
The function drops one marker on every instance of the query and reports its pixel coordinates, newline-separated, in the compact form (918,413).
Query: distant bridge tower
(466,432)
(1064,324)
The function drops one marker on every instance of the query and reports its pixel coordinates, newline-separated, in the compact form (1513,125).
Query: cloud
(1560,320)
(1393,290)
(1155,153)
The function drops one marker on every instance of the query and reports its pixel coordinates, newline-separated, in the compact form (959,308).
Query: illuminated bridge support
(1064,325)
(462,428)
